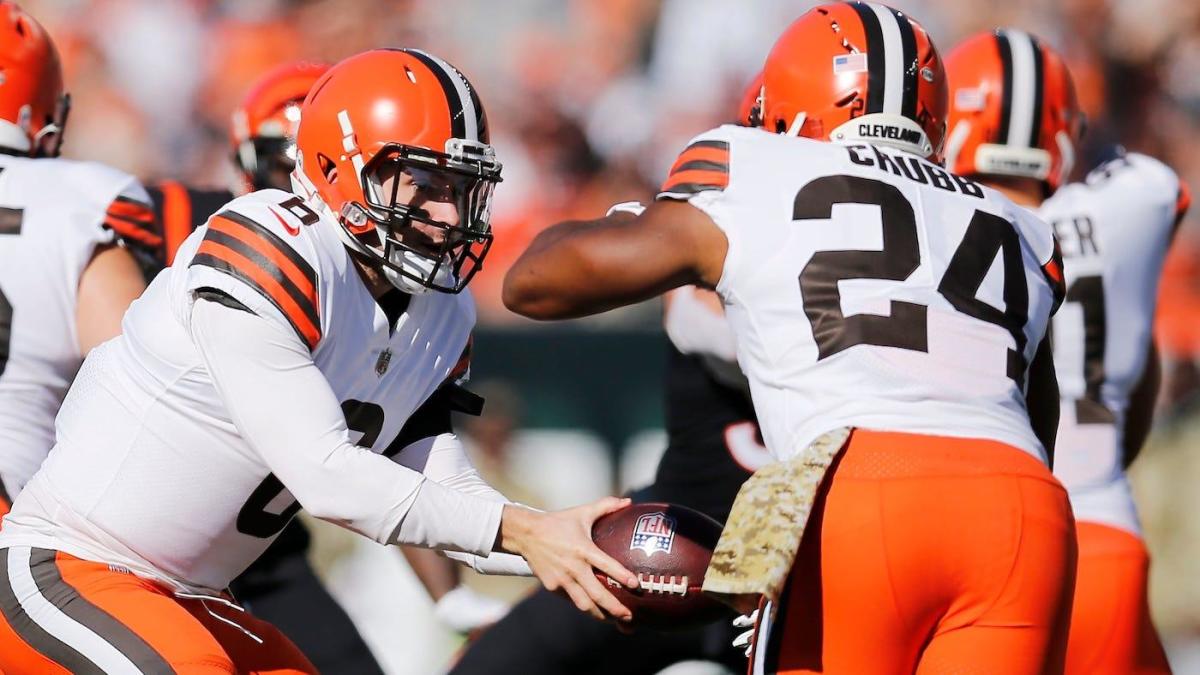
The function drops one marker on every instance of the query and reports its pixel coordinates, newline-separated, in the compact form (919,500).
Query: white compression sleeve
(283,406)
(443,459)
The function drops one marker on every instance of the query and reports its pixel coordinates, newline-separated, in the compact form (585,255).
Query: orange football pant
(1111,631)
(60,614)
(929,555)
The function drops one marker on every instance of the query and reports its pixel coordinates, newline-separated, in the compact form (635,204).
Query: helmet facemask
(396,229)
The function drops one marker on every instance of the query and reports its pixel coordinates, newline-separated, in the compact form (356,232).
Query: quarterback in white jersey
(64,284)
(290,356)
(868,288)
(1014,123)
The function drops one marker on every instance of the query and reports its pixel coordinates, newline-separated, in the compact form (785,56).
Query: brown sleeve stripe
(244,249)
(703,165)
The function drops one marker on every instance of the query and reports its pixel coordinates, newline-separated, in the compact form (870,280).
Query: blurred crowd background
(589,101)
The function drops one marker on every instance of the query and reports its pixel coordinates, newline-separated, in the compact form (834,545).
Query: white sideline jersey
(1114,229)
(870,288)
(53,215)
(166,465)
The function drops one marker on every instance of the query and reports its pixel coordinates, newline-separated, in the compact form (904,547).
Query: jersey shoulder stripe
(1183,201)
(702,166)
(134,220)
(1053,269)
(240,247)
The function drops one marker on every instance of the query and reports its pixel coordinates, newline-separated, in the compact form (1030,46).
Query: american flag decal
(850,63)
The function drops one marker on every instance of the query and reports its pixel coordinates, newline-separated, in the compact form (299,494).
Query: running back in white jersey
(870,288)
(150,470)
(1114,229)
(53,215)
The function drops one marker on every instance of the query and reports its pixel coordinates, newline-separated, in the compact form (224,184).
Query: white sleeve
(695,328)
(302,437)
(442,458)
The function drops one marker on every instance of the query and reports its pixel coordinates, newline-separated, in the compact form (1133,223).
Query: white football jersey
(1114,229)
(151,470)
(53,215)
(870,288)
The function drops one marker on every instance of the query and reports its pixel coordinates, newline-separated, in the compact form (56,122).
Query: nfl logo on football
(653,532)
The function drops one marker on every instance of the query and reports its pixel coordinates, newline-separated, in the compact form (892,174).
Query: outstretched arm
(578,268)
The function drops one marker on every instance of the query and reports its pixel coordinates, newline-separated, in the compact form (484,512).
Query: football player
(713,445)
(300,351)
(1014,122)
(867,288)
(64,282)
(281,586)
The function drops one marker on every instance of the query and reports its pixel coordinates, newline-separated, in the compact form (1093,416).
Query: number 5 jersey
(1115,228)
(256,375)
(871,288)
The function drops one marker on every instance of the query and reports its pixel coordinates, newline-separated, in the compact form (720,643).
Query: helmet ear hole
(328,168)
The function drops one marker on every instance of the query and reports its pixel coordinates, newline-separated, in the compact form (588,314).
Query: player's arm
(1041,397)
(585,267)
(1140,415)
(110,282)
(283,406)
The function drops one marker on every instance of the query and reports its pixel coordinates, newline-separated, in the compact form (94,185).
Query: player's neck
(372,278)
(1027,192)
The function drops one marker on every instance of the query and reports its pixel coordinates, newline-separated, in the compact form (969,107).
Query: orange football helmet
(263,126)
(389,111)
(1013,109)
(857,71)
(33,107)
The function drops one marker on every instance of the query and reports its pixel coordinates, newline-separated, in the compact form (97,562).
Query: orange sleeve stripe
(268,286)
(265,248)
(714,179)
(177,216)
(136,232)
(128,208)
(1054,271)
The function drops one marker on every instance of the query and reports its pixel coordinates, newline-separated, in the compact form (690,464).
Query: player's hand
(745,639)
(559,549)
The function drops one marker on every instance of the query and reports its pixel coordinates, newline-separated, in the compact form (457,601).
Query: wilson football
(668,547)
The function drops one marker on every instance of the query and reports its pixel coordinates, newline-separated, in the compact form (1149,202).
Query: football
(668,547)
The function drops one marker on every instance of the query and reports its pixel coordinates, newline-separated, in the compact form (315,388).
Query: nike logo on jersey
(912,168)
(291,229)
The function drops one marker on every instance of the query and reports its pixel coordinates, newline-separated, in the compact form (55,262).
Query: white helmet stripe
(893,54)
(464,116)
(1024,89)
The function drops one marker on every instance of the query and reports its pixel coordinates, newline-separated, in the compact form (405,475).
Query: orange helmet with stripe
(263,126)
(859,72)
(33,106)
(387,112)
(1013,109)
